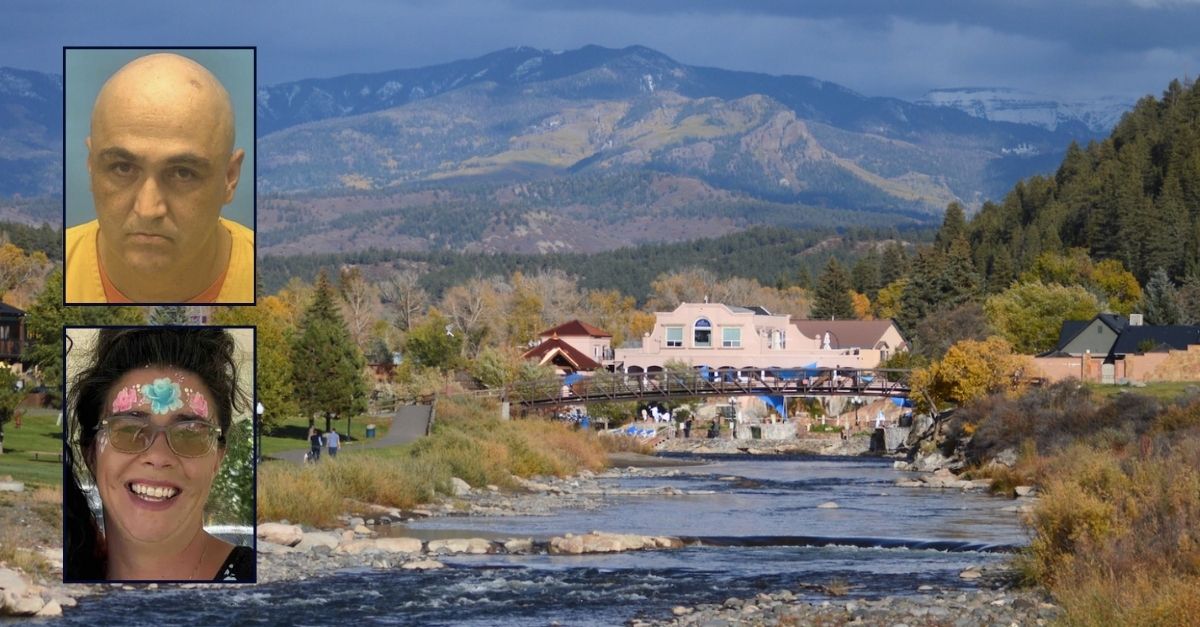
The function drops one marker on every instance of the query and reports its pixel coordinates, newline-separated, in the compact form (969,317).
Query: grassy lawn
(37,433)
(292,434)
(1163,391)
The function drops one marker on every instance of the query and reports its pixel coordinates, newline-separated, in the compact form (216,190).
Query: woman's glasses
(188,438)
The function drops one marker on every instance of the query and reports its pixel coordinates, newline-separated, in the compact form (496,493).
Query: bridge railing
(670,384)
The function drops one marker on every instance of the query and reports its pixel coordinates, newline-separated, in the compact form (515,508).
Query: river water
(756,525)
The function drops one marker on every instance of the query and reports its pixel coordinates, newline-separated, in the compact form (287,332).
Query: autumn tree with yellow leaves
(971,369)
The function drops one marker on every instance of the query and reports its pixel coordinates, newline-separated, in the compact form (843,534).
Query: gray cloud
(1065,49)
(1101,25)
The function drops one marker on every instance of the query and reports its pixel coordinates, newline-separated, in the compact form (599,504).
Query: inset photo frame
(159,171)
(159,475)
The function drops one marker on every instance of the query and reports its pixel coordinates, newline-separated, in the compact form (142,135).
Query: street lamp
(259,410)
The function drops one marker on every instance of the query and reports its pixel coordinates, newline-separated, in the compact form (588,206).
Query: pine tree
(1162,245)
(921,295)
(804,278)
(954,226)
(1189,300)
(832,299)
(328,366)
(958,282)
(1160,301)
(894,264)
(1002,274)
(866,274)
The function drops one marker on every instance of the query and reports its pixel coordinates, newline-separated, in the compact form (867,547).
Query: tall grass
(467,442)
(1116,534)
(296,494)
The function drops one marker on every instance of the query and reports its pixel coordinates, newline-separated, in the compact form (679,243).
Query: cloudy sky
(1067,49)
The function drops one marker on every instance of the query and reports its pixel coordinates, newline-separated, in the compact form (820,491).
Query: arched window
(702,333)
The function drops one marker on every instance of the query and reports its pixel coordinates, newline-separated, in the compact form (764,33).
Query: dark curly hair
(207,352)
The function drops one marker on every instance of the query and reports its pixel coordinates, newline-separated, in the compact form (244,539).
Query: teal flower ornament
(162,395)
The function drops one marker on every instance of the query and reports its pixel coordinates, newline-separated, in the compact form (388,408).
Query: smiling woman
(151,421)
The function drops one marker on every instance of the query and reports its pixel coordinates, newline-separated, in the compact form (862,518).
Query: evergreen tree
(921,295)
(954,226)
(1162,246)
(1002,274)
(1133,198)
(832,299)
(1189,300)
(1160,302)
(804,278)
(866,274)
(169,315)
(328,366)
(958,282)
(894,264)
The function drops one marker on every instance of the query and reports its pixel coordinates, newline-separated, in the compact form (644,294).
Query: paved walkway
(409,424)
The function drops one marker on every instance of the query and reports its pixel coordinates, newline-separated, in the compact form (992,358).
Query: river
(756,524)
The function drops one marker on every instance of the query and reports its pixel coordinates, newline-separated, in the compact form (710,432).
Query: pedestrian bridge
(617,387)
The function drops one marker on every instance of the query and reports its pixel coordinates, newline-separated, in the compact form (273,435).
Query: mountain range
(588,149)
(31,133)
(1003,104)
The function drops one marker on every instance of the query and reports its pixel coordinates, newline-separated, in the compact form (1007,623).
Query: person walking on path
(314,443)
(334,441)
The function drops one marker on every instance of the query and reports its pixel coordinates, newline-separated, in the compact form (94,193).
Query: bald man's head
(162,163)
(168,89)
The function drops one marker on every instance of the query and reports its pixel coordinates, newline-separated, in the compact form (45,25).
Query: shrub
(1117,537)
(297,494)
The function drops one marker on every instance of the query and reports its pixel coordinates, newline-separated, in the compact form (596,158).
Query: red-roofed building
(573,346)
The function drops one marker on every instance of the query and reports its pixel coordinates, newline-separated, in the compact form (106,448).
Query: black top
(238,566)
(315,440)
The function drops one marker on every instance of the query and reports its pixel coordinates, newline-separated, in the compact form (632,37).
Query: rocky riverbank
(292,552)
(927,607)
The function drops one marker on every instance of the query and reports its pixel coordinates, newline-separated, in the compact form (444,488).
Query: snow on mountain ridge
(1003,104)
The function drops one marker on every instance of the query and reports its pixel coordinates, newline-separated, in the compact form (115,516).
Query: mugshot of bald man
(162,163)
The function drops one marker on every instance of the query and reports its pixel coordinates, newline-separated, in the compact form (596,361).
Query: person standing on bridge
(334,441)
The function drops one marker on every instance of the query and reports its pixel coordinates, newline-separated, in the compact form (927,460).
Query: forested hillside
(770,255)
(1134,198)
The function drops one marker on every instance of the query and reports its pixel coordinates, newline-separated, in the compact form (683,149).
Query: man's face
(161,169)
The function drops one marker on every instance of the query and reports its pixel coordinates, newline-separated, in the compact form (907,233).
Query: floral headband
(162,395)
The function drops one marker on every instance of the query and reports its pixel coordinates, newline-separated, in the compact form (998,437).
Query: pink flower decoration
(125,400)
(199,404)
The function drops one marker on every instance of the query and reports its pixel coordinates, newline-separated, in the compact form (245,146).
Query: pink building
(724,337)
